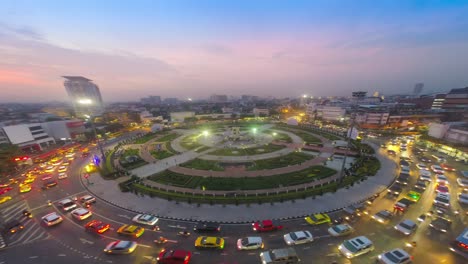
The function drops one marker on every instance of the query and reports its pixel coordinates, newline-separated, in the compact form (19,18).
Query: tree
(7,153)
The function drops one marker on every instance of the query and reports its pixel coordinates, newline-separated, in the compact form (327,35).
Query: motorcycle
(184,233)
(161,240)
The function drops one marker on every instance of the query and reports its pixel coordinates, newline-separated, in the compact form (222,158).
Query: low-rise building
(28,136)
(261,112)
(180,116)
(455,132)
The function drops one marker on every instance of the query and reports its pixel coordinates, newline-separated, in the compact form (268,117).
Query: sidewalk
(109,191)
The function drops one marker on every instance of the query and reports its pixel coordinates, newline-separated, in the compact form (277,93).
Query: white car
(81,213)
(340,230)
(440,178)
(67,204)
(356,246)
(395,256)
(249,243)
(463,198)
(52,219)
(437,169)
(299,237)
(442,199)
(462,182)
(146,219)
(62,175)
(383,216)
(422,166)
(406,227)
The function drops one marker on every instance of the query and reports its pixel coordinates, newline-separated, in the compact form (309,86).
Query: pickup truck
(402,204)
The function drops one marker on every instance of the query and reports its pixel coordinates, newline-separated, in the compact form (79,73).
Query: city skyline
(174,49)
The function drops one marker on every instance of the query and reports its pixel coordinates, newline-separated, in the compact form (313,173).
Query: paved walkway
(109,191)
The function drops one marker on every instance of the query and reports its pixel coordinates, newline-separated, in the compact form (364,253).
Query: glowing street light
(304,96)
(274,134)
(205,133)
(254,130)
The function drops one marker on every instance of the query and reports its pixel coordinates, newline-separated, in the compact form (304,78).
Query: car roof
(408,222)
(211,240)
(67,200)
(254,239)
(399,253)
(360,241)
(80,211)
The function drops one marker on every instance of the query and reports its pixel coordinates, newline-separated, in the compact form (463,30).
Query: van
(280,256)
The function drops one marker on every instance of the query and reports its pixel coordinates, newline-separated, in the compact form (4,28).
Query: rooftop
(76,78)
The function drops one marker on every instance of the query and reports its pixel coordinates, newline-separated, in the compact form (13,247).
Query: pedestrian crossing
(32,230)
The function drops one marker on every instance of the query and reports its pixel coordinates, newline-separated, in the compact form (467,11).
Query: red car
(447,167)
(442,188)
(97,226)
(266,225)
(177,256)
(5,190)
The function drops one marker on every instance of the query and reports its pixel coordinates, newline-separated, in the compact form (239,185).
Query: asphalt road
(68,242)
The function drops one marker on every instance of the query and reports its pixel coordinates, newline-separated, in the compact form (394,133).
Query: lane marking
(85,241)
(61,255)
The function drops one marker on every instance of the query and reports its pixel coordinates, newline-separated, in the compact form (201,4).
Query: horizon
(265,48)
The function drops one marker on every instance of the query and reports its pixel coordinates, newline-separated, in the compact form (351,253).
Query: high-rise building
(418,88)
(84,95)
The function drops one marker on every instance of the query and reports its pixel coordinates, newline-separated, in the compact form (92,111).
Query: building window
(41,137)
(37,132)
(35,128)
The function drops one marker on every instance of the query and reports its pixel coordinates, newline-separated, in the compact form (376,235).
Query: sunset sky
(173,48)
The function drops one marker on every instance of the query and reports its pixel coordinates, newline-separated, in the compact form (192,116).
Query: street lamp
(89,102)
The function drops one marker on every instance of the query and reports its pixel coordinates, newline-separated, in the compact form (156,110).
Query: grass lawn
(245,183)
(161,154)
(145,138)
(168,137)
(279,136)
(290,159)
(190,142)
(308,138)
(200,164)
(248,151)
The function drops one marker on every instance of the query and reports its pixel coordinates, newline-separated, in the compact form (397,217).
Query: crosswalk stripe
(30,238)
(13,214)
(24,233)
(16,209)
(11,207)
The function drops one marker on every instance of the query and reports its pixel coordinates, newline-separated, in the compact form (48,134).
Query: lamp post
(89,102)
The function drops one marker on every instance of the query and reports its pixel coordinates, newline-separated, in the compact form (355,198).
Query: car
(49,184)
(420,185)
(248,243)
(87,199)
(131,230)
(442,199)
(462,182)
(356,246)
(406,227)
(46,177)
(340,230)
(405,170)
(404,163)
(62,175)
(413,196)
(441,224)
(437,169)
(267,225)
(4,199)
(145,219)
(50,169)
(391,152)
(298,237)
(406,159)
(67,204)
(383,216)
(52,219)
(81,213)
(279,255)
(395,256)
(209,242)
(395,189)
(426,160)
(438,158)
(441,188)
(460,244)
(447,167)
(62,169)
(25,188)
(175,256)
(402,205)
(30,179)
(425,178)
(12,226)
(422,166)
(440,178)
(317,219)
(403,179)
(97,226)
(120,247)
(463,198)
(207,227)
(5,190)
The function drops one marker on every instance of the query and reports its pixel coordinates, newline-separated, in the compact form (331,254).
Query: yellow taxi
(209,242)
(318,219)
(25,188)
(29,180)
(131,230)
(4,199)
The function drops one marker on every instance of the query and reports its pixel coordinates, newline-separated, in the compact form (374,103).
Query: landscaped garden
(130,159)
(161,154)
(200,164)
(247,151)
(190,142)
(279,136)
(283,161)
(243,183)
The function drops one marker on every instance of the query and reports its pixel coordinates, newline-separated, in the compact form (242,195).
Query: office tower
(84,95)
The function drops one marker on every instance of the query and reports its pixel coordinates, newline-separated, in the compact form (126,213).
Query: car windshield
(391,256)
(122,244)
(146,217)
(406,225)
(339,228)
(347,244)
(244,241)
(293,236)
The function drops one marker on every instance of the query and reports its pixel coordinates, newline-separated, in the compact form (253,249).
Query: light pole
(89,102)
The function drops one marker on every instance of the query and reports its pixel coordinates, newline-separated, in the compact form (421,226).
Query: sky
(173,48)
